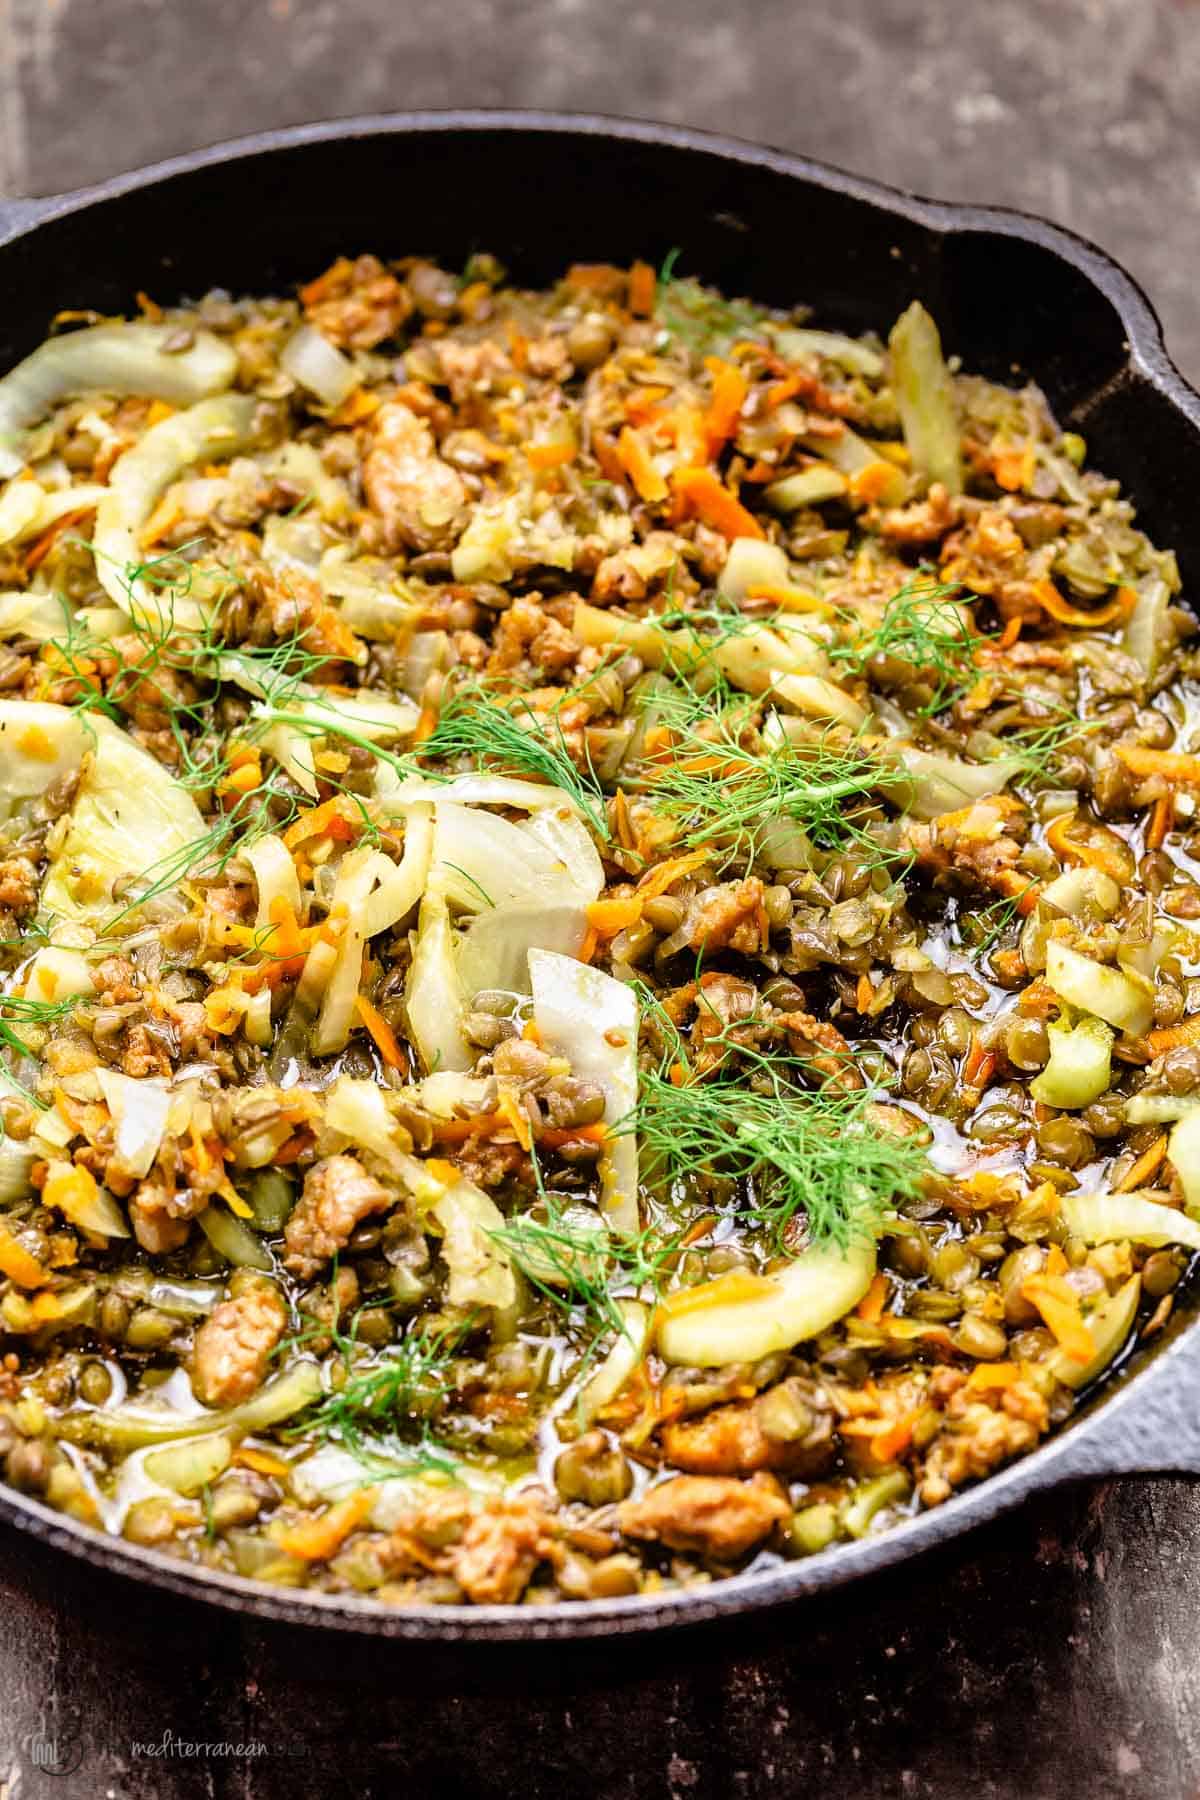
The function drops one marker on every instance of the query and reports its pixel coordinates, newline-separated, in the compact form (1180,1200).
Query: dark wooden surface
(1055,1654)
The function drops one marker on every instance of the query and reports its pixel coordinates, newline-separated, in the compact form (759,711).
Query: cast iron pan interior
(1014,297)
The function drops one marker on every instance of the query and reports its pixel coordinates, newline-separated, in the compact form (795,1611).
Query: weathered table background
(1056,1653)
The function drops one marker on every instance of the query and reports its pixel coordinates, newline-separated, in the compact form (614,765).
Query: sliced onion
(27,508)
(123,358)
(1118,999)
(211,431)
(139,1110)
(312,361)
(481,1271)
(129,816)
(933,783)
(738,1318)
(592,1020)
(849,353)
(357,878)
(28,613)
(434,999)
(402,884)
(468,790)
(493,952)
(1111,1218)
(39,744)
(275,873)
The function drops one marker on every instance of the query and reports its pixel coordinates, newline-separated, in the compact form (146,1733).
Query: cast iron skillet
(1013,296)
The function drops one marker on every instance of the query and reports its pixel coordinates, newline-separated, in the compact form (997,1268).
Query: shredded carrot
(515,1118)
(200,1156)
(457,1131)
(1174,1037)
(261,1461)
(1095,855)
(330,819)
(159,410)
(356,407)
(703,493)
(729,391)
(1162,822)
(1146,1166)
(1038,1000)
(994,1375)
(1173,765)
(315,1540)
(872,482)
(678,1075)
(381,1032)
(530,1032)
(864,993)
(979,1065)
(1056,1261)
(1052,602)
(1010,634)
(426,724)
(785,389)
(607,917)
(554,1137)
(887,1446)
(643,288)
(589,946)
(1013,466)
(648,481)
(549,456)
(723,1290)
(793,599)
(1058,1304)
(872,1303)
(664,875)
(604,449)
(294,1148)
(18,1264)
(41,547)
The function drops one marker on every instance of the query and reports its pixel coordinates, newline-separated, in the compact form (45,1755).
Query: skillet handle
(1151,1426)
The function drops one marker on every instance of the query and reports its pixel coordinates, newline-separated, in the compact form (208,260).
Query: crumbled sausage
(233,1347)
(357,304)
(417,497)
(730,1440)
(338,1195)
(501,1547)
(714,1515)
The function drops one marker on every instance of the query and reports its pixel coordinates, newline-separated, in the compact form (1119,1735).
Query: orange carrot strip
(723,1290)
(261,1461)
(864,993)
(1094,856)
(18,1264)
(691,436)
(517,1121)
(554,1136)
(1059,1307)
(1162,822)
(457,1131)
(42,546)
(316,1539)
(589,946)
(607,917)
(1174,1037)
(980,1064)
(994,1375)
(872,482)
(1173,765)
(872,1303)
(549,456)
(381,1032)
(1009,635)
(887,1446)
(1051,601)
(1146,1166)
(656,881)
(648,481)
(729,390)
(1013,466)
(1056,1261)
(643,289)
(703,493)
